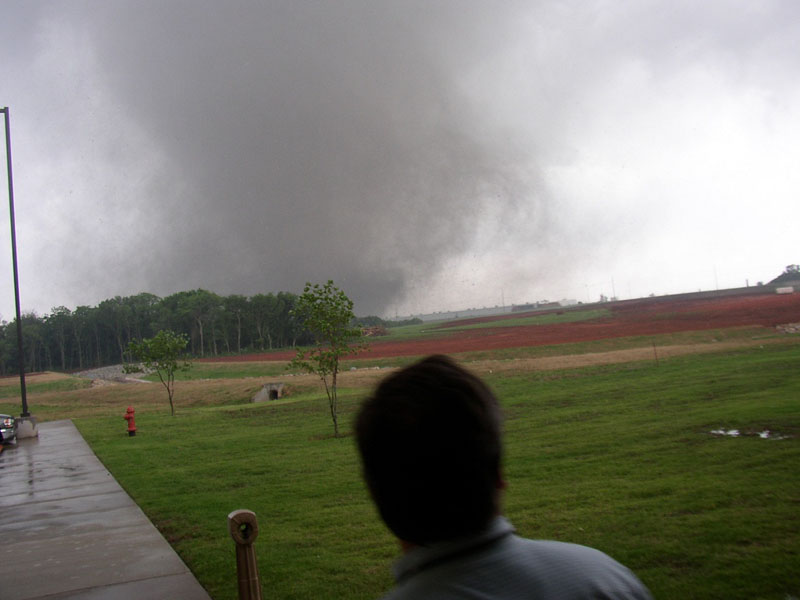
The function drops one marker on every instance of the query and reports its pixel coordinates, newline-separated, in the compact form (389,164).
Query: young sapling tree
(327,313)
(162,354)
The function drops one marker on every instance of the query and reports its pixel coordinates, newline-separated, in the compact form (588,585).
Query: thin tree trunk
(239,334)
(200,327)
(61,349)
(80,350)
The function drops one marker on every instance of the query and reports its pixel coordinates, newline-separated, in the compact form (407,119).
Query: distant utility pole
(22,389)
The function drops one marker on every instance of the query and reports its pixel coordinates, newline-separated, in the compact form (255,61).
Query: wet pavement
(68,530)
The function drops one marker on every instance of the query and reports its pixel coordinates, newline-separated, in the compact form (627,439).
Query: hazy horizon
(423,155)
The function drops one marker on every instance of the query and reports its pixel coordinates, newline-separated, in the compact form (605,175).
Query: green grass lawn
(226,370)
(235,370)
(618,457)
(11,388)
(261,369)
(548,318)
(410,331)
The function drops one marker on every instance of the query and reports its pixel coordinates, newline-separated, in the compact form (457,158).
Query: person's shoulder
(554,549)
(585,571)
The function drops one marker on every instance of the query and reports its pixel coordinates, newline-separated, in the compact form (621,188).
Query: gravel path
(112,373)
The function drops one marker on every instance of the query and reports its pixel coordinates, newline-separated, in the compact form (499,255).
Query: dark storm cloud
(424,155)
(315,140)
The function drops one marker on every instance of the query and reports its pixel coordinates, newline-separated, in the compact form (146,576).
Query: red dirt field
(629,318)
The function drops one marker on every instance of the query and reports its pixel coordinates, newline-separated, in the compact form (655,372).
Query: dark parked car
(8,429)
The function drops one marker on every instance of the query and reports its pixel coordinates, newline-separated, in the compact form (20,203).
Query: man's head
(429,438)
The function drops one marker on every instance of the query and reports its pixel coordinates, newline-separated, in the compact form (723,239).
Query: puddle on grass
(728,432)
(766,434)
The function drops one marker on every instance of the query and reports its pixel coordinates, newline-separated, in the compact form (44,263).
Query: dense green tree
(203,308)
(370,321)
(33,347)
(235,307)
(8,353)
(94,324)
(790,274)
(143,311)
(114,319)
(169,315)
(79,323)
(292,331)
(92,336)
(261,309)
(58,322)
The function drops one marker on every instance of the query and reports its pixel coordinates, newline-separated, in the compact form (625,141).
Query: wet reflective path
(68,530)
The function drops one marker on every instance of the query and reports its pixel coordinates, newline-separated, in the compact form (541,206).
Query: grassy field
(548,318)
(618,456)
(433,328)
(40,384)
(693,338)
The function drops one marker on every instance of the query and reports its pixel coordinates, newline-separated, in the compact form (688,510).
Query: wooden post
(243,528)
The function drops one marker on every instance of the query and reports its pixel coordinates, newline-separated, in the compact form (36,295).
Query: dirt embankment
(550,363)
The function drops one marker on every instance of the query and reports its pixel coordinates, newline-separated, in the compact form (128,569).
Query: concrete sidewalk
(68,530)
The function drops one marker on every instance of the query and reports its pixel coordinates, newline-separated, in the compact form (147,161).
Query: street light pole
(22,389)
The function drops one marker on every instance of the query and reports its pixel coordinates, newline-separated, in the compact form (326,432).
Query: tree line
(93,336)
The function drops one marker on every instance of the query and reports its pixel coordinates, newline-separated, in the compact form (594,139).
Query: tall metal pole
(22,389)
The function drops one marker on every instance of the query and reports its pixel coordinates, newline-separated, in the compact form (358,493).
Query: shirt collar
(422,557)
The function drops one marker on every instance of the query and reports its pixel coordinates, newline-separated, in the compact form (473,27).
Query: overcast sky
(425,155)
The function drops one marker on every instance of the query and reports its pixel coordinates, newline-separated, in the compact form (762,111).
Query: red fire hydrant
(131,422)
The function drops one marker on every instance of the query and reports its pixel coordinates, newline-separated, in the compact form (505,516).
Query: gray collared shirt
(497,564)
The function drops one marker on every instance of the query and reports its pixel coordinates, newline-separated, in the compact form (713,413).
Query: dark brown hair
(429,438)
